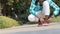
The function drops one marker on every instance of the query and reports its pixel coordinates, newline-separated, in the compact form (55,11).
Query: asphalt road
(50,31)
(53,28)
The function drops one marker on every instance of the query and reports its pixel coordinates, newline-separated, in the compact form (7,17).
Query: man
(40,10)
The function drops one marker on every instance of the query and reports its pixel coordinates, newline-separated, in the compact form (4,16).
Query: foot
(46,23)
(39,23)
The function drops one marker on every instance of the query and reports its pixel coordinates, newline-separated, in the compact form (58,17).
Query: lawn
(56,19)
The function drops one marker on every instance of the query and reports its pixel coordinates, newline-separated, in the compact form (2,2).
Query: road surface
(53,28)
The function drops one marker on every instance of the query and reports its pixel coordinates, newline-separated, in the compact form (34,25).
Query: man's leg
(46,10)
(38,15)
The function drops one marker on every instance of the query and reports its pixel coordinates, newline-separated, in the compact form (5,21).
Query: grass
(56,19)
(6,22)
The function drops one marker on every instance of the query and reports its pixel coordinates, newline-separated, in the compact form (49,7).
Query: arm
(56,11)
(32,7)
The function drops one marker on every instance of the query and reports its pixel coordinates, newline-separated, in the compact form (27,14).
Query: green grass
(56,19)
(6,22)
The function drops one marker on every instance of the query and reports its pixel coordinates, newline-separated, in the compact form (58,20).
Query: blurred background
(19,9)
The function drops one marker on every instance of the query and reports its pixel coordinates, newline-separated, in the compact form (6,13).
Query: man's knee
(32,18)
(45,3)
(46,8)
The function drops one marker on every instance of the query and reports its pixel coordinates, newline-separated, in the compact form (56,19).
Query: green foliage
(6,22)
(57,2)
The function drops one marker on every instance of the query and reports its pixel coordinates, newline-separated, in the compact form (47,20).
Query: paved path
(53,28)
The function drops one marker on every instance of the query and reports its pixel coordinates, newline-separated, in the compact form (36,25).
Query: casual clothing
(45,10)
(41,13)
(34,8)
